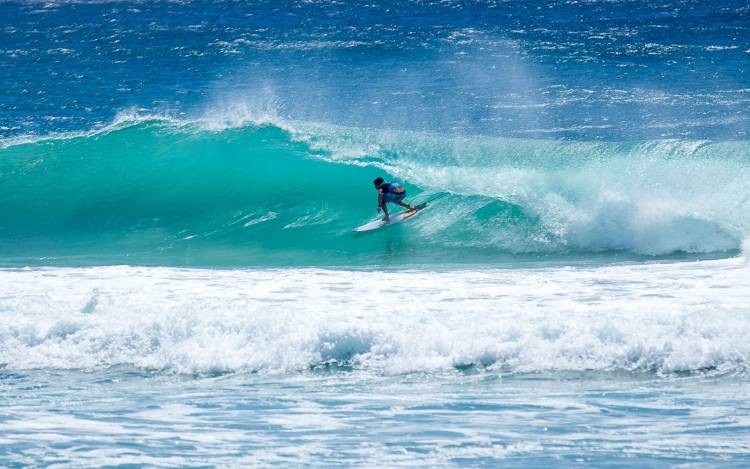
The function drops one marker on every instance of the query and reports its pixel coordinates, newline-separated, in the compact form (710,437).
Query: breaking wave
(268,192)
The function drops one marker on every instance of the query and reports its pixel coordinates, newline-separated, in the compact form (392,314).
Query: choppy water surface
(461,417)
(642,364)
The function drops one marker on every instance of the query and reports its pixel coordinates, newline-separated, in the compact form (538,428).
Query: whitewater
(167,366)
(661,318)
(181,286)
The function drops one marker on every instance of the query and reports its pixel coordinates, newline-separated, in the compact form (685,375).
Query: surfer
(390,192)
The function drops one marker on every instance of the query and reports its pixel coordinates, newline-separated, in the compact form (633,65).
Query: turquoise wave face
(159,192)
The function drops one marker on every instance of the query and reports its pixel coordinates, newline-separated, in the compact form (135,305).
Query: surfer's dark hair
(378,181)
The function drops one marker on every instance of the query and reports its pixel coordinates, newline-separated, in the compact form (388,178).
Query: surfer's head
(378,181)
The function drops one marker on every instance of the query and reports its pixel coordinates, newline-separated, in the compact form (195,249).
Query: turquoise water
(174,193)
(180,285)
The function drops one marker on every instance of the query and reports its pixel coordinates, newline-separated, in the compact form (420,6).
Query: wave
(662,317)
(268,192)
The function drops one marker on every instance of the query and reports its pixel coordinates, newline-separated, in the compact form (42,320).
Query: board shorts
(394,197)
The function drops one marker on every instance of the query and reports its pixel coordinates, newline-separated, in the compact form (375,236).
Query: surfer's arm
(382,205)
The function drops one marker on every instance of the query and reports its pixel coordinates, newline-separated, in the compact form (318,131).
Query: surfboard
(397,218)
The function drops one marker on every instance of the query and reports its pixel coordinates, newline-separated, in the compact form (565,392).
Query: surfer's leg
(405,205)
(399,199)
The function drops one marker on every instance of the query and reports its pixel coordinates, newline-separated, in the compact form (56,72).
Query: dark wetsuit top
(389,192)
(389,187)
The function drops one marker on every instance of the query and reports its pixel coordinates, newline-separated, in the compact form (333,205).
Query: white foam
(270,215)
(655,197)
(660,317)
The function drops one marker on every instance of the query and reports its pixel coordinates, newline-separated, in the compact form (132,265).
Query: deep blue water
(560,69)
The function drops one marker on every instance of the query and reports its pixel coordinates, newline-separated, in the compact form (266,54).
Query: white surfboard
(397,218)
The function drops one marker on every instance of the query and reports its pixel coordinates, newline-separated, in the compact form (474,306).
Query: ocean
(180,285)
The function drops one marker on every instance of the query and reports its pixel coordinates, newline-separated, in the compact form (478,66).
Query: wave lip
(663,318)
